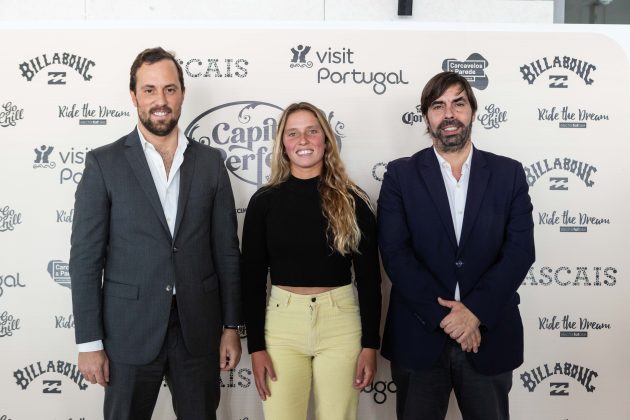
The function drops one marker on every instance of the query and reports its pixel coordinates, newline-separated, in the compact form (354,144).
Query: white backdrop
(551,97)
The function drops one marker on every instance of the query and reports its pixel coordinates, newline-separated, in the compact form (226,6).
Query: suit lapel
(138,161)
(477,184)
(186,172)
(430,172)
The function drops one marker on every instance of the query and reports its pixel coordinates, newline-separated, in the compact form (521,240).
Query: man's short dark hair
(439,84)
(153,55)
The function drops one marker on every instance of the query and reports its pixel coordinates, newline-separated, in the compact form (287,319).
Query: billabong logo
(81,65)
(558,183)
(412,117)
(213,67)
(298,56)
(8,324)
(77,63)
(51,386)
(583,375)
(563,276)
(243,131)
(9,219)
(493,117)
(56,77)
(584,171)
(59,272)
(472,69)
(26,375)
(583,69)
(570,222)
(558,81)
(559,389)
(10,114)
(570,327)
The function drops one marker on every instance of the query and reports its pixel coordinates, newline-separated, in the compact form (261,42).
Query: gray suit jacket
(124,262)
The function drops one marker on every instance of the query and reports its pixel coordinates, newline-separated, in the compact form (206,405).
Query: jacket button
(459,263)
(175,249)
(169,288)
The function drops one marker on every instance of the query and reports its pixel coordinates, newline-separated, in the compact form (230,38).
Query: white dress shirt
(456,192)
(168,190)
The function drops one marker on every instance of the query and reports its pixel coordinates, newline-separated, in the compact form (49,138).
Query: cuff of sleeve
(90,346)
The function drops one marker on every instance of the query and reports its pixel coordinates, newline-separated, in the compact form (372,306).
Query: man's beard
(162,128)
(454,142)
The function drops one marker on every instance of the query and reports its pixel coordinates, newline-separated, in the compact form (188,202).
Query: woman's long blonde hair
(335,187)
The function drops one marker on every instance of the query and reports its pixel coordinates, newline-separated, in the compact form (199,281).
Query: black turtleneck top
(285,233)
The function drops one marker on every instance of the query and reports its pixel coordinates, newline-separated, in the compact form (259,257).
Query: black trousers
(193,381)
(424,395)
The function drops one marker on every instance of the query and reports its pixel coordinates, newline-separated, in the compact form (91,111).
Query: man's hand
(262,366)
(229,349)
(461,325)
(94,365)
(366,368)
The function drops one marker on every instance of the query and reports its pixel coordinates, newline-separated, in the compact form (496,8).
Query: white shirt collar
(182,141)
(443,161)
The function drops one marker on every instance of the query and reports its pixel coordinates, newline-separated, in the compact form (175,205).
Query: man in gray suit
(154,261)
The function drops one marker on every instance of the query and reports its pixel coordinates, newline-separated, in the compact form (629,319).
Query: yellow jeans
(313,339)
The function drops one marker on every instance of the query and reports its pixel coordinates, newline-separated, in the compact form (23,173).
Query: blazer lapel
(431,174)
(477,184)
(138,161)
(186,172)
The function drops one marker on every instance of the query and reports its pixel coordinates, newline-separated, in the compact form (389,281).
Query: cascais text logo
(344,61)
(10,114)
(244,131)
(558,64)
(59,272)
(566,276)
(214,67)
(31,67)
(472,69)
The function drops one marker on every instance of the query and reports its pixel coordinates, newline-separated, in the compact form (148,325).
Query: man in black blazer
(154,261)
(456,238)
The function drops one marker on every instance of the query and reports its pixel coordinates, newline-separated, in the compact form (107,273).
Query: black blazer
(423,260)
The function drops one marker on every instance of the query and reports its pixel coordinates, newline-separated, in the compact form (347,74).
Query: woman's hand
(366,368)
(262,366)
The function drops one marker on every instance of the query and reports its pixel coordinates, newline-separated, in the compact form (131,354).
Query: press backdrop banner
(554,99)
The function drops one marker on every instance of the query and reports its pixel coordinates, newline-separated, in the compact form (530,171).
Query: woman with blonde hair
(310,227)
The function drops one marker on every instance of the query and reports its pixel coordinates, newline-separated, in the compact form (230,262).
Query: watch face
(242,331)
